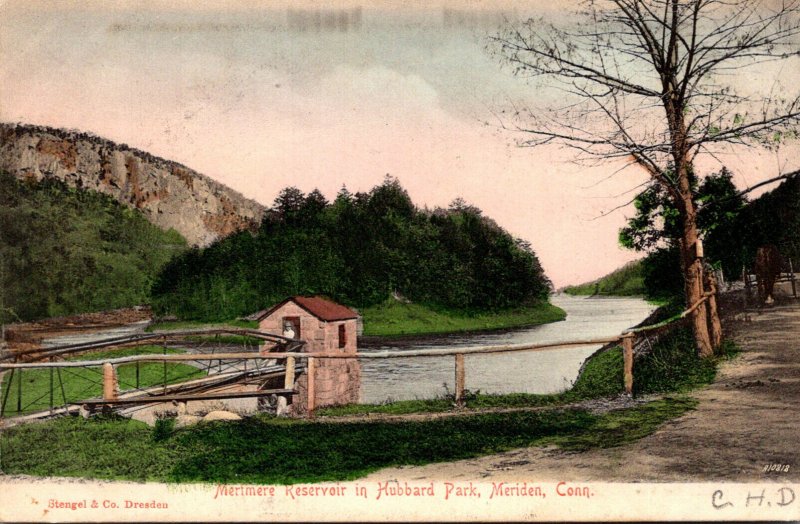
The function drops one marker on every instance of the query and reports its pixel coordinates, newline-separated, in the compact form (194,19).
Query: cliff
(168,194)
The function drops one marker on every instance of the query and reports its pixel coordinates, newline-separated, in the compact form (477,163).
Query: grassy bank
(395,318)
(82,383)
(269,450)
(625,281)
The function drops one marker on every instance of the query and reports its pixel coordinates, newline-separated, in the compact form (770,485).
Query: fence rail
(625,340)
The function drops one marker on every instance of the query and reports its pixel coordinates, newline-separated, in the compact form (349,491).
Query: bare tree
(654,84)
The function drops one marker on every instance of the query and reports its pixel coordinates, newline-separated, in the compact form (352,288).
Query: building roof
(321,308)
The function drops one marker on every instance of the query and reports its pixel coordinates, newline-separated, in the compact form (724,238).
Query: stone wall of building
(337,381)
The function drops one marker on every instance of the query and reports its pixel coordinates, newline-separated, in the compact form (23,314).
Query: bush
(163,428)
(672,365)
(601,377)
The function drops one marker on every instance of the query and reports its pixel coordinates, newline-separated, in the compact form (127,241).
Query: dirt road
(745,421)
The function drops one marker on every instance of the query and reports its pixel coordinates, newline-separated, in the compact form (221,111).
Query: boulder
(221,415)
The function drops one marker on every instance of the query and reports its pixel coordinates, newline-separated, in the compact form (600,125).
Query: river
(428,377)
(531,372)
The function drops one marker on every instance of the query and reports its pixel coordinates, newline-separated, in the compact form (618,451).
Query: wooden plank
(311,371)
(183,398)
(627,355)
(460,378)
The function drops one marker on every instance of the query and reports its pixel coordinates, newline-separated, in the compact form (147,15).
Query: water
(531,372)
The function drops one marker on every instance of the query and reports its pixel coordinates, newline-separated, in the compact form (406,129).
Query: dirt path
(746,420)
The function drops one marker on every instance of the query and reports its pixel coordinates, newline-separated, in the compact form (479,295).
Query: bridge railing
(71,386)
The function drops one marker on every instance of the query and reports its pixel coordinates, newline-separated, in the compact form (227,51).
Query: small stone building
(326,327)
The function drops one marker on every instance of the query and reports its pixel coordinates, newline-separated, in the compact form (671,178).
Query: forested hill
(359,249)
(65,250)
(624,281)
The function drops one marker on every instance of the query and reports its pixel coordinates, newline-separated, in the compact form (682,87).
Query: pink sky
(258,107)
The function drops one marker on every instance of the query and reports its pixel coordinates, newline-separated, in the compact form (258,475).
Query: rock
(186,420)
(168,194)
(221,415)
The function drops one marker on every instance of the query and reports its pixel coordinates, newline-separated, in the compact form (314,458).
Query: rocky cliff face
(169,194)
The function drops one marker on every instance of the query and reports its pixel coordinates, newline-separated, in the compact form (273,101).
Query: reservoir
(410,378)
(549,371)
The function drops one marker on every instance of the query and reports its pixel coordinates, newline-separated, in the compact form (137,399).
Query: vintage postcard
(375,260)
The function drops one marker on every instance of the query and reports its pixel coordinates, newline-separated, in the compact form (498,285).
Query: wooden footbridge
(205,351)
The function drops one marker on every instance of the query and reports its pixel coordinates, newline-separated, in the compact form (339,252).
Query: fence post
(63,393)
(460,379)
(713,322)
(164,342)
(52,386)
(288,381)
(312,365)
(7,392)
(19,391)
(627,355)
(109,382)
(746,280)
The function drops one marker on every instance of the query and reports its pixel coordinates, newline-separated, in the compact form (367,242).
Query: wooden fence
(626,340)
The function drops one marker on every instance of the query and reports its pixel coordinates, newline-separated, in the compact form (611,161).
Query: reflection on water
(532,372)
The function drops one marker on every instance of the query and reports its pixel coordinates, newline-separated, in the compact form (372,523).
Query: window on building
(291,327)
(342,336)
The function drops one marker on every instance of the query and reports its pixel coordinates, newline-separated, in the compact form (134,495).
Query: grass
(265,449)
(83,383)
(232,340)
(280,451)
(395,318)
(173,325)
(625,281)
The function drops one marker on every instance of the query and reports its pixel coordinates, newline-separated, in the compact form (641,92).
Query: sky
(259,96)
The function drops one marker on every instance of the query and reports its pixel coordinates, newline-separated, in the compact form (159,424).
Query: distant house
(326,327)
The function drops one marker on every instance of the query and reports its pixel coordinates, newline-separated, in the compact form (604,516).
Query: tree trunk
(692,263)
(693,273)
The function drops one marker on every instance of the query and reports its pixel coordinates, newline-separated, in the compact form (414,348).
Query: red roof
(319,307)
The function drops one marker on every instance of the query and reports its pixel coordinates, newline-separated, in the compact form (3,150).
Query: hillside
(168,194)
(625,281)
(65,250)
(359,250)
